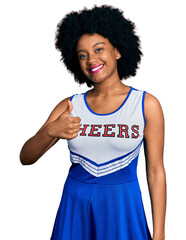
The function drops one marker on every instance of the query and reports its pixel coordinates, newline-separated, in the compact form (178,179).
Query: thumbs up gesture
(65,126)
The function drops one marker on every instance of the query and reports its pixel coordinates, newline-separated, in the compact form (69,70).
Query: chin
(95,79)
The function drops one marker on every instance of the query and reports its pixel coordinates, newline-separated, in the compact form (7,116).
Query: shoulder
(151,101)
(57,111)
(62,105)
(77,98)
(152,108)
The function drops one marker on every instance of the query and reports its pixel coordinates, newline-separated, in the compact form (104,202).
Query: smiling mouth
(96,69)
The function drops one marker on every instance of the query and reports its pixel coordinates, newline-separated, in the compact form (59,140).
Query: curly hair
(108,22)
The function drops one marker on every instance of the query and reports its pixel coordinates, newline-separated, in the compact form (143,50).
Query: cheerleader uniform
(101,198)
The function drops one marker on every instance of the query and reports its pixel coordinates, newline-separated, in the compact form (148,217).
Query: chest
(103,137)
(105,105)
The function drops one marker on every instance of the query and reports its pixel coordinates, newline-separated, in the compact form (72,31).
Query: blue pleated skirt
(99,211)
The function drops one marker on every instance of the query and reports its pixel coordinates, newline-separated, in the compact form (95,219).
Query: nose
(92,59)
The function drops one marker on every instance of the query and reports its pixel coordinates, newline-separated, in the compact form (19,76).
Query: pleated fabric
(91,211)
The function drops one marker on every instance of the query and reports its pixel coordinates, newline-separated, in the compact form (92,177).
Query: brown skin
(106,96)
(58,125)
(156,177)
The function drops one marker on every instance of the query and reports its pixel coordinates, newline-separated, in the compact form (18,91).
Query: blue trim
(99,114)
(72,97)
(105,163)
(104,170)
(125,174)
(135,89)
(143,112)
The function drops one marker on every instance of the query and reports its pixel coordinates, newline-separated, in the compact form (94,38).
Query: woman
(105,128)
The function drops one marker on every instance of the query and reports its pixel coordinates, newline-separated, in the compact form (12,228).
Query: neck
(108,87)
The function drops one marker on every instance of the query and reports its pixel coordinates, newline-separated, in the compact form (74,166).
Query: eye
(99,49)
(81,57)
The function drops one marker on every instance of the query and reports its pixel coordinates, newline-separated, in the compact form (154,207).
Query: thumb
(69,108)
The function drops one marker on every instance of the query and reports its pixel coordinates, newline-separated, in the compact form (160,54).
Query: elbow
(22,159)
(156,171)
(156,177)
(25,160)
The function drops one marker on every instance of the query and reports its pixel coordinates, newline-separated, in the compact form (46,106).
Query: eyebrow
(92,46)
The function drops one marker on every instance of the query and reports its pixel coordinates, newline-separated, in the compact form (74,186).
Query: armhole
(72,97)
(143,111)
(77,94)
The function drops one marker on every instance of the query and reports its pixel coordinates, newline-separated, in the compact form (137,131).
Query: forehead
(89,40)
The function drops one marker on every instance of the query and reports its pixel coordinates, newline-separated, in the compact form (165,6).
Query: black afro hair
(108,22)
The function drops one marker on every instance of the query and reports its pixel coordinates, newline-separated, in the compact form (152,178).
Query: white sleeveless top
(108,142)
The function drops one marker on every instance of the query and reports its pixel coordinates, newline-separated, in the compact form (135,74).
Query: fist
(65,126)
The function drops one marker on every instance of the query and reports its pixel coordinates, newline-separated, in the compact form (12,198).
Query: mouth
(96,68)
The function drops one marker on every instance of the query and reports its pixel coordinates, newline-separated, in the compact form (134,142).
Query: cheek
(109,58)
(113,60)
(84,68)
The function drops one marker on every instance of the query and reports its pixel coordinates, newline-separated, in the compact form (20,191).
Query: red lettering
(108,129)
(83,130)
(123,128)
(135,129)
(93,129)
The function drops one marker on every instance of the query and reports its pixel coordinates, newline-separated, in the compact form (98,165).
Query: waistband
(126,174)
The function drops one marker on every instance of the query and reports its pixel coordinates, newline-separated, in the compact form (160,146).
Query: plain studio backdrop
(34,80)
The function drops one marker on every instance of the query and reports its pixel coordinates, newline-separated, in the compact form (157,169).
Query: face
(97,57)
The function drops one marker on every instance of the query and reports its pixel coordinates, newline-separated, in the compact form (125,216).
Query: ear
(117,53)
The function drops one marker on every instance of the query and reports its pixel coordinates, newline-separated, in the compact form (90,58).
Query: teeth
(94,69)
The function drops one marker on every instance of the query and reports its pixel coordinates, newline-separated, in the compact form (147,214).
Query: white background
(33,81)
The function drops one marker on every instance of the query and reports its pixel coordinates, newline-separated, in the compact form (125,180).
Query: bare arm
(156,177)
(58,125)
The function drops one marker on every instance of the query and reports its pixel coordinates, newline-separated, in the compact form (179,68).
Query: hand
(65,126)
